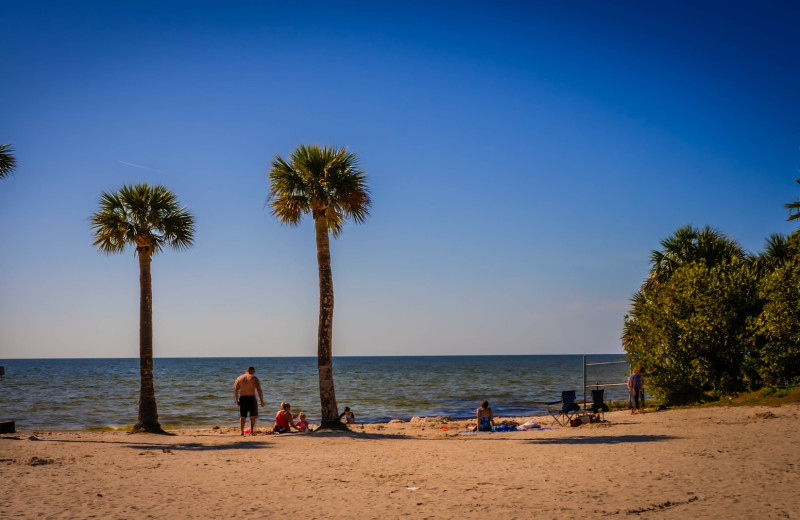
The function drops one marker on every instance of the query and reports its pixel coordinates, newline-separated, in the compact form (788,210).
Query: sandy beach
(738,462)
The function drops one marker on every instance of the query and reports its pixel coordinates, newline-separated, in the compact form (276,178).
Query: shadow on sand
(603,439)
(238,444)
(196,446)
(360,435)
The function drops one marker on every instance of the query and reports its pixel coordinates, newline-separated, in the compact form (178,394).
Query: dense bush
(690,332)
(713,322)
(776,330)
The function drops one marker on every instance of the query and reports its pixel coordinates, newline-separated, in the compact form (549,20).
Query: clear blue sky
(524,159)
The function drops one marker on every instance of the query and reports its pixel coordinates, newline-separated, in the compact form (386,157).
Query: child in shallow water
(302,424)
(485,418)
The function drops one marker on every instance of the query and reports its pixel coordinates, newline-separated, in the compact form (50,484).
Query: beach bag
(575,422)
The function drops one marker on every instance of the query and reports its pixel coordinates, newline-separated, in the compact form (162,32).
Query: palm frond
(324,181)
(777,251)
(8,163)
(290,209)
(793,207)
(689,245)
(141,216)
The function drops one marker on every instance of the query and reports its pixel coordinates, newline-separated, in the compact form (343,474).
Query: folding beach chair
(569,408)
(599,407)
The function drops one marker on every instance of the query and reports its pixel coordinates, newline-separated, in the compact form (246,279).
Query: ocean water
(74,394)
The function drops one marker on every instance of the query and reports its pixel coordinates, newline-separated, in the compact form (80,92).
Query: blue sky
(524,159)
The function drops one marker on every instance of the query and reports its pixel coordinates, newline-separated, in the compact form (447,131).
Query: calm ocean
(69,394)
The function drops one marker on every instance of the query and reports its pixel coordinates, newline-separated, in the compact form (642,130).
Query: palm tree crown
(777,251)
(689,244)
(324,181)
(144,216)
(8,162)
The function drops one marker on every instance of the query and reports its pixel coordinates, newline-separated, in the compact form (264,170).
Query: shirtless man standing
(244,395)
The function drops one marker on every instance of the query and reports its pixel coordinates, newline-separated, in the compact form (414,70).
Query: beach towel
(509,431)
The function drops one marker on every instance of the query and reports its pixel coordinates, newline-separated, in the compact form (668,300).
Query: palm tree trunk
(327,394)
(148,413)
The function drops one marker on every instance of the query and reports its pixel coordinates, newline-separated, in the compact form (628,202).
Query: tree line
(712,319)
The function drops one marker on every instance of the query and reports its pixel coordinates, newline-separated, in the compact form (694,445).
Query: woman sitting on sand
(485,418)
(283,420)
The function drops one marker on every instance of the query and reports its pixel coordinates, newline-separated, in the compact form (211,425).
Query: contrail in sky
(141,167)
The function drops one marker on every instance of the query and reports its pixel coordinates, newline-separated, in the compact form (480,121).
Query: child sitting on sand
(485,418)
(283,420)
(302,424)
(347,416)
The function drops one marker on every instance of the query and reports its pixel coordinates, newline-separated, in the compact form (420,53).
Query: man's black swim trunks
(247,404)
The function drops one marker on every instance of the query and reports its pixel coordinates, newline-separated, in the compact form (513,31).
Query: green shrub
(775,332)
(690,332)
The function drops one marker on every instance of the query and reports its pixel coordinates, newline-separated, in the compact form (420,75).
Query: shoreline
(747,400)
(443,420)
(193,392)
(700,462)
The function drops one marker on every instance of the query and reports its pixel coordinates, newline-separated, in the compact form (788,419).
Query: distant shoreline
(622,354)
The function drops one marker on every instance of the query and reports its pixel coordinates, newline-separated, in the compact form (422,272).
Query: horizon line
(314,357)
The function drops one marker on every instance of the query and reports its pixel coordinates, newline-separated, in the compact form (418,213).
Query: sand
(714,462)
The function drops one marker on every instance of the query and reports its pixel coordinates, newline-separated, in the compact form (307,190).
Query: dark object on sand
(598,402)
(8,427)
(599,407)
(661,407)
(36,461)
(569,408)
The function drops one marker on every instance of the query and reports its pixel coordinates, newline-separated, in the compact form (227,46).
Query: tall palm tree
(327,183)
(147,218)
(794,207)
(8,163)
(689,244)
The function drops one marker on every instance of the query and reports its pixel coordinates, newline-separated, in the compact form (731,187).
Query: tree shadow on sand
(603,439)
(240,444)
(359,435)
(196,446)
